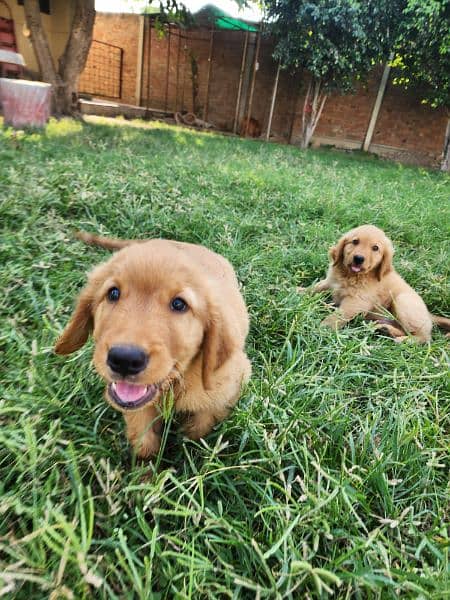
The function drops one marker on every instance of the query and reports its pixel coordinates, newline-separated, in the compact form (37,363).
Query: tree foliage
(337,41)
(169,11)
(423,50)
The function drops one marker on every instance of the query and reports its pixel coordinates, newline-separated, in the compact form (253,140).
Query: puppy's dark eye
(113,294)
(178,305)
(355,242)
(375,248)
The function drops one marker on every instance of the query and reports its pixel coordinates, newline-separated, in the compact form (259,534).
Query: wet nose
(127,360)
(358,259)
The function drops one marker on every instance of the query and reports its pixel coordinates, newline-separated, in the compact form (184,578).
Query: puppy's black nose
(358,259)
(127,360)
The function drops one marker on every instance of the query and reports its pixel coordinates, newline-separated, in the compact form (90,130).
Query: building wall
(121,30)
(348,116)
(57,26)
(404,122)
(405,129)
(224,77)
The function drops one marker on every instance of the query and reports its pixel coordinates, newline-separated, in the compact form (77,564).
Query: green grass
(330,478)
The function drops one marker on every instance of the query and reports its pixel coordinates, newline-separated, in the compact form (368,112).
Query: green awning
(234,24)
(223,21)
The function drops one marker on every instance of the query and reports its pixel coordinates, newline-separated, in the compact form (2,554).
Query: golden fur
(371,285)
(197,354)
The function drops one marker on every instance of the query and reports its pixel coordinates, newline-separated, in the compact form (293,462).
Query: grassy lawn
(330,478)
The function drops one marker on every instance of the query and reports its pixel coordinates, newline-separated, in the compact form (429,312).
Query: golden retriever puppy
(167,318)
(363,281)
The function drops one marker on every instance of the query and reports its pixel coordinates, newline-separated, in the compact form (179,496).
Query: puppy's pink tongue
(356,269)
(129,392)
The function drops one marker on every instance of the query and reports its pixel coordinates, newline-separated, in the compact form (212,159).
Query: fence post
(166,95)
(252,89)
(377,105)
(178,70)
(140,55)
(272,104)
(241,76)
(149,62)
(208,77)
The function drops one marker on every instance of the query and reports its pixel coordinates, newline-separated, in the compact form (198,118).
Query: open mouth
(130,395)
(356,268)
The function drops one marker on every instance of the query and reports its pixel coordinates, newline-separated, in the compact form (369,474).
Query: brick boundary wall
(405,130)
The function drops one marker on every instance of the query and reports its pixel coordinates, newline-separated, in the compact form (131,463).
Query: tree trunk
(64,79)
(40,45)
(312,109)
(73,61)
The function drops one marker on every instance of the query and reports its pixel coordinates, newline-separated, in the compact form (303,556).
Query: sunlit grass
(330,478)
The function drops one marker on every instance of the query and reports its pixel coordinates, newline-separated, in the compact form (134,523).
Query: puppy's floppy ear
(385,265)
(81,323)
(218,344)
(336,253)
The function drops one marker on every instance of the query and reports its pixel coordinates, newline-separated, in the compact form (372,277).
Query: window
(44,5)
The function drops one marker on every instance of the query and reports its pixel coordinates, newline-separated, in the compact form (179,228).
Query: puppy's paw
(198,425)
(401,338)
(332,321)
(146,446)
(301,290)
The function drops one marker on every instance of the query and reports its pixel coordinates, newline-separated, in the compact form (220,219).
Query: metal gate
(102,75)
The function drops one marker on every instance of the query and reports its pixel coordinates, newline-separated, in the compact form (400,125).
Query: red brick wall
(348,116)
(164,68)
(224,80)
(405,128)
(404,122)
(121,30)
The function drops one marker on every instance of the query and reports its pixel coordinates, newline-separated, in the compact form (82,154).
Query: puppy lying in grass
(364,282)
(166,317)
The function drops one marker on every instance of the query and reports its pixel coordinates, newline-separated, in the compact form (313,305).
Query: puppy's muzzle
(126,360)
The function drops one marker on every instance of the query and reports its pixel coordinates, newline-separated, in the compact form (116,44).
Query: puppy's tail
(104,242)
(441,322)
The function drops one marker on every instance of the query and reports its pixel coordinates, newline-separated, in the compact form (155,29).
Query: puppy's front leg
(348,309)
(322,286)
(143,429)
